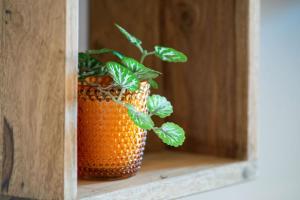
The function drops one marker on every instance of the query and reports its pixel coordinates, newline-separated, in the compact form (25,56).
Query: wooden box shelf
(213,94)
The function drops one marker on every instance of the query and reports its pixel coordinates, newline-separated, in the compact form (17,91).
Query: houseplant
(115,110)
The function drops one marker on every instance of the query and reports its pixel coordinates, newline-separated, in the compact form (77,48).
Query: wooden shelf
(214,95)
(168,175)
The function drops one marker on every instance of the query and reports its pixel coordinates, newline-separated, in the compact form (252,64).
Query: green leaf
(105,50)
(132,64)
(101,71)
(160,106)
(141,119)
(89,66)
(130,37)
(153,83)
(87,62)
(123,76)
(171,134)
(142,72)
(169,54)
(147,73)
(82,57)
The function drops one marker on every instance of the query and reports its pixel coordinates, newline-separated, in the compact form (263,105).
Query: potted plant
(115,111)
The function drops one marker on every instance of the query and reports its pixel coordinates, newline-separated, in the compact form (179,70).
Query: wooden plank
(2,11)
(70,102)
(170,175)
(253,57)
(145,26)
(247,24)
(38,99)
(220,67)
(205,100)
(242,59)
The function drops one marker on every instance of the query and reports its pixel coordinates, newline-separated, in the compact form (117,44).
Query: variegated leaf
(169,54)
(140,119)
(89,66)
(160,106)
(142,72)
(123,76)
(171,134)
(129,37)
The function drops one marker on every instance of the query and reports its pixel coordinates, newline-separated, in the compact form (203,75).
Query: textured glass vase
(110,145)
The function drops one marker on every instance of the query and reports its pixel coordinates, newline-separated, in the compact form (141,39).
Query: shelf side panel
(247,51)
(38,99)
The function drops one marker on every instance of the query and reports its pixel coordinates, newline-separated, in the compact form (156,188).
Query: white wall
(279,106)
(83,25)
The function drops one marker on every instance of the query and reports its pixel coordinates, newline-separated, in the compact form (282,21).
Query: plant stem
(140,48)
(121,94)
(111,96)
(102,90)
(145,54)
(150,53)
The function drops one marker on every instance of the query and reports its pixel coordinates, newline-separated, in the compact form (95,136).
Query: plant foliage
(169,55)
(127,73)
(171,134)
(122,76)
(160,106)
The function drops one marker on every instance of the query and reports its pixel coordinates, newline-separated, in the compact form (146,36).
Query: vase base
(105,174)
(100,178)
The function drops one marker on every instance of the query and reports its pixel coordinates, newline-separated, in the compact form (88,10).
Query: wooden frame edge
(247,51)
(253,60)
(70,144)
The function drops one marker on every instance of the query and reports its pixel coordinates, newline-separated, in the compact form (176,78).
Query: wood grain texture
(205,101)
(170,175)
(12,198)
(242,78)
(145,26)
(247,50)
(1,74)
(8,155)
(38,99)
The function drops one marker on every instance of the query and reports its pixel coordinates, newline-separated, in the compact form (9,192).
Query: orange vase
(110,145)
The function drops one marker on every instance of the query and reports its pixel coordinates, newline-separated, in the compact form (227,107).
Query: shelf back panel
(209,93)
